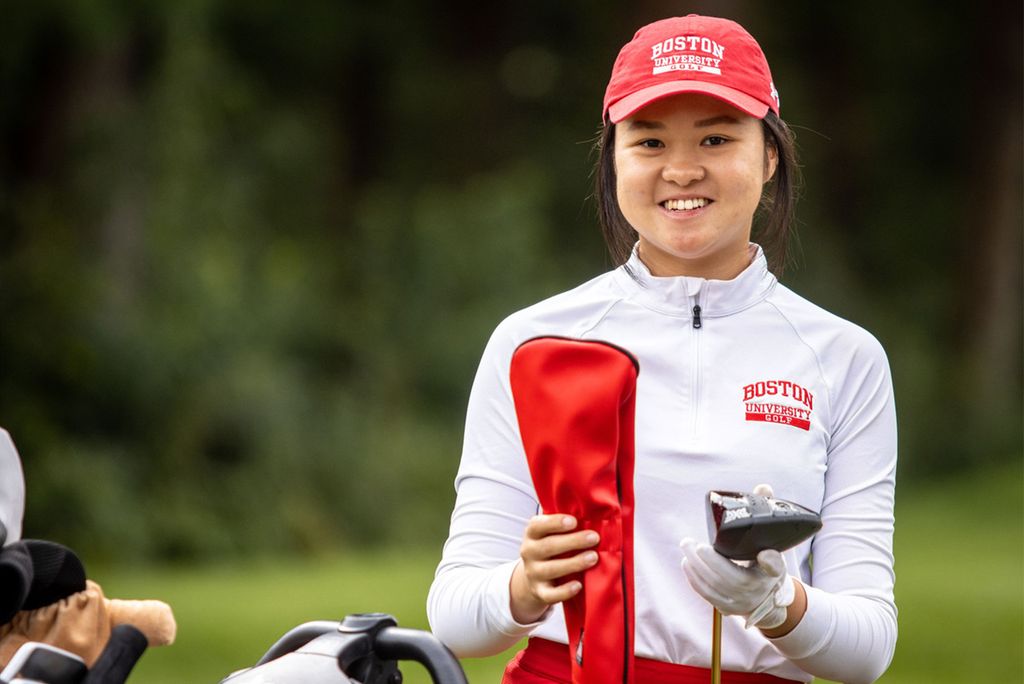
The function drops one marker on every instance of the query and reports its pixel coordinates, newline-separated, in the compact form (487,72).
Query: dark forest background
(250,252)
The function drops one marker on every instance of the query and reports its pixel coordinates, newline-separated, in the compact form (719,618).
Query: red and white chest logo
(778,401)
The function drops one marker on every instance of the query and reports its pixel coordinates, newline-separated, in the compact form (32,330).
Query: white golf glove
(760,592)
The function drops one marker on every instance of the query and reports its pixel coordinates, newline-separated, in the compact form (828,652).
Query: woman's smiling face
(689,174)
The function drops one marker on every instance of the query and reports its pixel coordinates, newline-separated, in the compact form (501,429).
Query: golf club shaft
(716,648)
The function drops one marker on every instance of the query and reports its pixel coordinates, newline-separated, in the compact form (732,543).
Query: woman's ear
(771,161)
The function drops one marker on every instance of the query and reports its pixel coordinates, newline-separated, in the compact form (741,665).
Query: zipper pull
(696,316)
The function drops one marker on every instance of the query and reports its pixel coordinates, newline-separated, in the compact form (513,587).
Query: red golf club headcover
(575,402)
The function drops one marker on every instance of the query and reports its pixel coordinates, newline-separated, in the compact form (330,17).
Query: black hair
(772,220)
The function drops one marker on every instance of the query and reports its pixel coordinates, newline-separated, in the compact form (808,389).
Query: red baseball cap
(691,54)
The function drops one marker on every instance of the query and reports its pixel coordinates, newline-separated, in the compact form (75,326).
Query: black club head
(741,525)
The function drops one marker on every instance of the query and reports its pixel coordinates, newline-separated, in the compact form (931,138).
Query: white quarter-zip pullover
(741,382)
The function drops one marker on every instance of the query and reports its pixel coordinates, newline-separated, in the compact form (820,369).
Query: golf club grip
(296,638)
(124,648)
(397,643)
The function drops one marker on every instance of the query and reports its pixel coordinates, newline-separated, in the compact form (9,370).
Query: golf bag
(38,580)
(362,649)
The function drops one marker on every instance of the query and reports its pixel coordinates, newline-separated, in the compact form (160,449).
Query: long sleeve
(849,630)
(468,603)
(12,489)
(697,429)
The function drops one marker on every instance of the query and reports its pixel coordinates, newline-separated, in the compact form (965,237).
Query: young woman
(741,382)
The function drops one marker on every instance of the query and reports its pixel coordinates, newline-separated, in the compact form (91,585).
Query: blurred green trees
(250,252)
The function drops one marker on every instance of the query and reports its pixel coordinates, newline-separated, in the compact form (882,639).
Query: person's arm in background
(12,489)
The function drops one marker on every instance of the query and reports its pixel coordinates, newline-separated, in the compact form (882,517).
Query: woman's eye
(651,143)
(713,140)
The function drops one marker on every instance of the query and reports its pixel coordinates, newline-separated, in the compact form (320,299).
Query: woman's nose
(682,170)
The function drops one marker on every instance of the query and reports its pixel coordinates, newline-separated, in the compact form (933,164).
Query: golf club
(740,526)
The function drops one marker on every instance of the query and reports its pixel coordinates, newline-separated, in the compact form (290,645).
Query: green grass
(229,615)
(960,581)
(960,591)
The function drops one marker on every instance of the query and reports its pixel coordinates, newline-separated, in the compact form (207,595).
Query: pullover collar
(677,295)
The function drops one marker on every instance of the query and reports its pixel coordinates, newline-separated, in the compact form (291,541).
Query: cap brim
(634,102)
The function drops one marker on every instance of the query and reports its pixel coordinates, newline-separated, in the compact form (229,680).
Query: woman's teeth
(686,204)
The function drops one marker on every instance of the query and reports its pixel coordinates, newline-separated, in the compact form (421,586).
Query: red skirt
(544,661)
